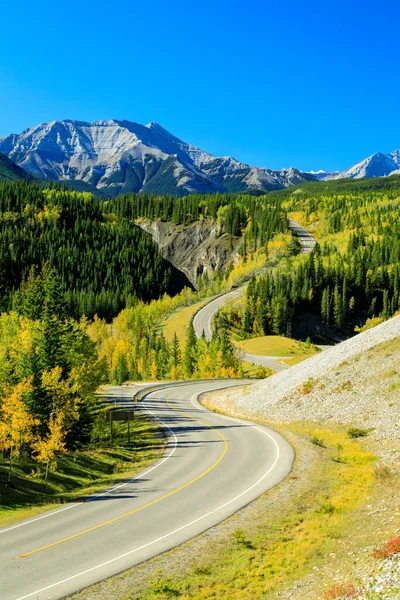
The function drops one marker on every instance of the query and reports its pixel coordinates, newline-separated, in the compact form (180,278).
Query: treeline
(257,219)
(352,276)
(49,373)
(104,262)
(390,186)
(136,349)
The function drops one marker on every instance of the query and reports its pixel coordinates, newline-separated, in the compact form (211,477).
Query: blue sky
(275,84)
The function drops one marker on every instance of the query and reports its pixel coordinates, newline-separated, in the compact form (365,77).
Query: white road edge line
(108,562)
(91,498)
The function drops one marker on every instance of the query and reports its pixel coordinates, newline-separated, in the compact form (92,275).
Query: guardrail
(138,397)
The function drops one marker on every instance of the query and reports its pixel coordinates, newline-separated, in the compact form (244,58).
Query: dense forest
(71,263)
(104,262)
(49,373)
(67,257)
(353,273)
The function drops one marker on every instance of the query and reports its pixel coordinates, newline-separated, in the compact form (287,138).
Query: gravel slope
(364,392)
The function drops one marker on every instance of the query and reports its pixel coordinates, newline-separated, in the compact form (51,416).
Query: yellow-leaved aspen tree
(46,448)
(16,422)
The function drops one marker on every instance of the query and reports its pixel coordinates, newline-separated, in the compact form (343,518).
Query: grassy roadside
(269,545)
(263,559)
(179,320)
(291,351)
(79,474)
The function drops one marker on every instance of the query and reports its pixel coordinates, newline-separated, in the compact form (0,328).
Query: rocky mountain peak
(124,156)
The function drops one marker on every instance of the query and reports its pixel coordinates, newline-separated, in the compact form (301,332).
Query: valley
(199,301)
(120,290)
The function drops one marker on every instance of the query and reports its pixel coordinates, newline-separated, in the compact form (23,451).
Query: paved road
(213,466)
(203,319)
(306,239)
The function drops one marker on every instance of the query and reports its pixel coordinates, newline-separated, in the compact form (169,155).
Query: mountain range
(117,157)
(120,157)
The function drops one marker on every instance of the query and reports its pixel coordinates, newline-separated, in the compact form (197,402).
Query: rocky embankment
(356,382)
(196,249)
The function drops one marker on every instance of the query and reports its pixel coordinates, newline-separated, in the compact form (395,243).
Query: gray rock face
(121,157)
(197,249)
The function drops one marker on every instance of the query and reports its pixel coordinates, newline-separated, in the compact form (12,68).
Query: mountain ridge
(123,156)
(10,171)
(120,156)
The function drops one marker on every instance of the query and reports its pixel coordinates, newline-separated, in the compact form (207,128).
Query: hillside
(330,402)
(198,249)
(343,186)
(103,261)
(9,171)
(342,384)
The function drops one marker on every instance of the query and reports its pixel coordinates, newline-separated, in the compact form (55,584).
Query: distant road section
(306,239)
(203,319)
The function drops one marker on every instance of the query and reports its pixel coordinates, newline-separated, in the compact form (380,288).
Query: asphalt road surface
(203,319)
(306,239)
(213,465)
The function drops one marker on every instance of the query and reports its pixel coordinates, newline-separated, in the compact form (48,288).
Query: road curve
(306,239)
(213,465)
(203,319)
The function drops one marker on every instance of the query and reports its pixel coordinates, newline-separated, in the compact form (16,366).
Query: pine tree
(175,352)
(189,357)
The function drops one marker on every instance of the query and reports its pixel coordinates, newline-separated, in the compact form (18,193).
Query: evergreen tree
(189,357)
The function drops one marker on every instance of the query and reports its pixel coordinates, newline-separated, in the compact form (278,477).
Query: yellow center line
(131,512)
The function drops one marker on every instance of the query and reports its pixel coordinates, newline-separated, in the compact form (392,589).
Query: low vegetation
(178,322)
(79,473)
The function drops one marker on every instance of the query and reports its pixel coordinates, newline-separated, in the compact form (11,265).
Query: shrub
(317,441)
(356,432)
(347,590)
(308,386)
(164,587)
(391,547)
(240,539)
(202,571)
(327,509)
(383,472)
(338,458)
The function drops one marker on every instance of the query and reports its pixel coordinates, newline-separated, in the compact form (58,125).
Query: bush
(356,432)
(383,472)
(317,441)
(239,538)
(391,547)
(308,386)
(347,590)
(327,509)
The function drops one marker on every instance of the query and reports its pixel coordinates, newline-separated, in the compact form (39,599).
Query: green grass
(275,345)
(78,474)
(179,320)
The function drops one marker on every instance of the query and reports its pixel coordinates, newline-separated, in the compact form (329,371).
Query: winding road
(213,465)
(202,320)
